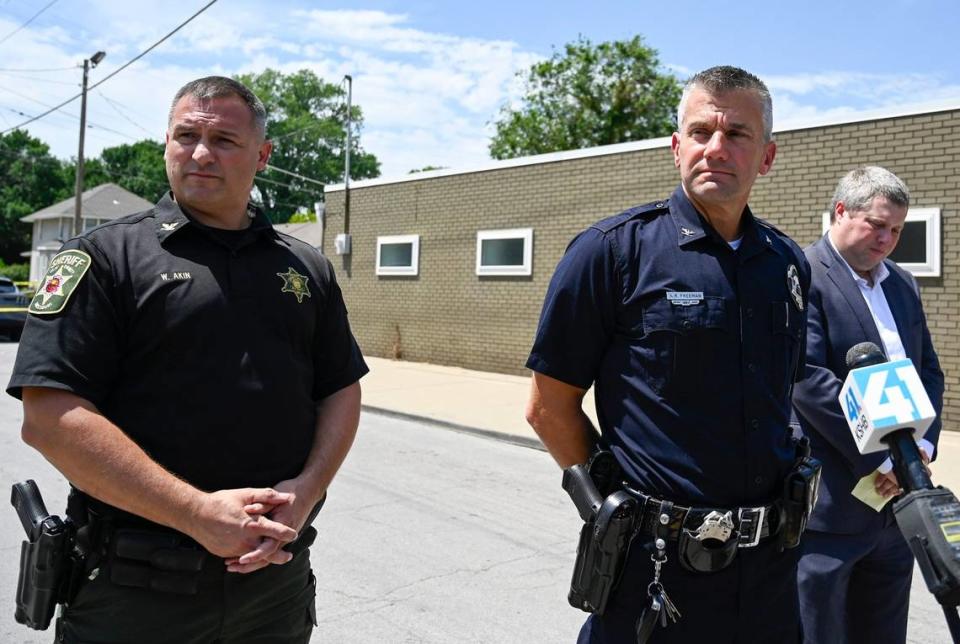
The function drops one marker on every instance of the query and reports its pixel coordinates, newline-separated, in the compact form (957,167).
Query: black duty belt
(665,519)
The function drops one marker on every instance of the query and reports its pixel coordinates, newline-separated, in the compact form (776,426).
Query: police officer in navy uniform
(192,373)
(687,315)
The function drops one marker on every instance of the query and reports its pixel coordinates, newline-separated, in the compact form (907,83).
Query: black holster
(44,569)
(800,490)
(610,520)
(50,559)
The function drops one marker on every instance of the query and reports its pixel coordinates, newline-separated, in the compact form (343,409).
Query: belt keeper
(664,517)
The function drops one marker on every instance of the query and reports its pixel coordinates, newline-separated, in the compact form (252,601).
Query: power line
(152,47)
(47,69)
(37,80)
(90,124)
(31,19)
(286,185)
(294,174)
(116,108)
(118,70)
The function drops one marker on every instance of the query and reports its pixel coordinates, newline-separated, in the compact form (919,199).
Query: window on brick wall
(505,252)
(398,255)
(918,250)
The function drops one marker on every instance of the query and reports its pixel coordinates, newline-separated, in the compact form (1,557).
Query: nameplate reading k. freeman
(684,298)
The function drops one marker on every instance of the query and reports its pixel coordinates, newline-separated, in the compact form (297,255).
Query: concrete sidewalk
(493,404)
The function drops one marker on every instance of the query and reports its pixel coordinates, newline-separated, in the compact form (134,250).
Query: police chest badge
(793,285)
(294,282)
(64,273)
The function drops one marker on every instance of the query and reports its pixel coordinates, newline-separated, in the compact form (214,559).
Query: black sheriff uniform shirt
(209,348)
(692,346)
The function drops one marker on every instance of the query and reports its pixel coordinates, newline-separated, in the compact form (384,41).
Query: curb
(503,437)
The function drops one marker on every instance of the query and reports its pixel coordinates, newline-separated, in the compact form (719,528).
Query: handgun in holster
(610,515)
(800,490)
(46,558)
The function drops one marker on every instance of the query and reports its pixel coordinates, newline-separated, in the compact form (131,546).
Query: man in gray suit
(855,568)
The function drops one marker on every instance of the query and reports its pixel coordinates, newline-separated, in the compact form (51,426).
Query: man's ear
(768,156)
(263,154)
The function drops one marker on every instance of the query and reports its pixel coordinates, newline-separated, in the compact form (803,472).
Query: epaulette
(646,210)
(763,223)
(786,242)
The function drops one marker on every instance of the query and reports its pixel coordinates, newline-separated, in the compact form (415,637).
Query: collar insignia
(793,285)
(170,226)
(686,232)
(294,282)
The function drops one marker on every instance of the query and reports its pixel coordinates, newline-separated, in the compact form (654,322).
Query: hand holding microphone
(886,406)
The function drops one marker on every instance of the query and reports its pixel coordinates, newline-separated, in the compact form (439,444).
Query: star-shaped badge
(53,286)
(294,282)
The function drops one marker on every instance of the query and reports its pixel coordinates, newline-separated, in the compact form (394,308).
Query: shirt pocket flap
(663,315)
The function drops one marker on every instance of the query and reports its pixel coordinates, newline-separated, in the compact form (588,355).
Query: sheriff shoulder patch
(63,275)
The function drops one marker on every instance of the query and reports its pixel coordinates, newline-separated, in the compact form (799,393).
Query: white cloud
(841,94)
(427,97)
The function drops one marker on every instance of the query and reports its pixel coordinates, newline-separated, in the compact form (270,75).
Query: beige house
(54,224)
(451,267)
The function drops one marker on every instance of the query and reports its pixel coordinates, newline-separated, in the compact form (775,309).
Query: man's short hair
(858,188)
(219,87)
(725,78)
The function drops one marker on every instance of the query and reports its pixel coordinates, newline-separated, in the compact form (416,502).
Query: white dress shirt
(886,325)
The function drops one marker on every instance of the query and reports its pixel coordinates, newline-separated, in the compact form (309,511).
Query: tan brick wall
(447,315)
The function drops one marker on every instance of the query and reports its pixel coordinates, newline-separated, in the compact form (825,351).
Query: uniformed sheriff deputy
(192,373)
(687,315)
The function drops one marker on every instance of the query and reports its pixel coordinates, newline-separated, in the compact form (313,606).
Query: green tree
(137,167)
(589,95)
(30,179)
(305,120)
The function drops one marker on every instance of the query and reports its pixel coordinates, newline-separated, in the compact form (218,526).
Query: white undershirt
(886,325)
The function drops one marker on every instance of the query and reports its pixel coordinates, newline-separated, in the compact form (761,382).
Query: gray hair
(858,188)
(725,78)
(220,87)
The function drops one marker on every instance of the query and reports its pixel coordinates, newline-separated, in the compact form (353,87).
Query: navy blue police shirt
(692,347)
(210,349)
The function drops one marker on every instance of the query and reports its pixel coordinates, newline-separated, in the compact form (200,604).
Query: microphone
(887,407)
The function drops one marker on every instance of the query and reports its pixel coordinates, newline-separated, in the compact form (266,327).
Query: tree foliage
(589,95)
(30,179)
(306,118)
(137,167)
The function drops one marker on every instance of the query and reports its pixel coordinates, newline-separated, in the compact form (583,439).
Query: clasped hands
(249,527)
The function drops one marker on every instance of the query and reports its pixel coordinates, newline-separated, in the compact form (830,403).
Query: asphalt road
(429,536)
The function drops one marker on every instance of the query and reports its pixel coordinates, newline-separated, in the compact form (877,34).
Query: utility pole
(346,163)
(78,185)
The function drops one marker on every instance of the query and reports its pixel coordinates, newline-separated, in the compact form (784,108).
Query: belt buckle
(752,520)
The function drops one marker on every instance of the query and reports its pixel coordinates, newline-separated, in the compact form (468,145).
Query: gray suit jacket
(838,318)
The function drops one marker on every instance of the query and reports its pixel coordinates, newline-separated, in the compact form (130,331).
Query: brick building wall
(448,315)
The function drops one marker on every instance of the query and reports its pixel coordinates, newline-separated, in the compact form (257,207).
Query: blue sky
(431,76)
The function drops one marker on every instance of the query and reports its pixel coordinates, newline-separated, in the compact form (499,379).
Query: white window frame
(526,234)
(413,268)
(931,219)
